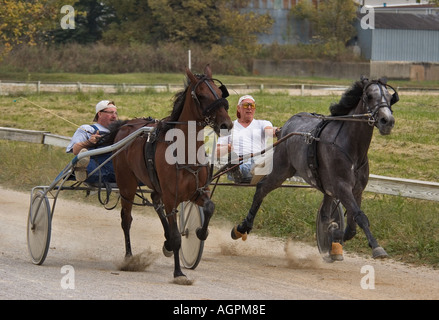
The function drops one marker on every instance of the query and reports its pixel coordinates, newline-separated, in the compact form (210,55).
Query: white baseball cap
(245,98)
(101,105)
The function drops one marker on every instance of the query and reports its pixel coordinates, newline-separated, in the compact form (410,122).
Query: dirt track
(89,239)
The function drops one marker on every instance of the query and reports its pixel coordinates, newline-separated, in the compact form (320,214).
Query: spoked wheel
(191,217)
(39,228)
(323,228)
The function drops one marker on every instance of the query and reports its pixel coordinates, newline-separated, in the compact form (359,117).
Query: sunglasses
(248,105)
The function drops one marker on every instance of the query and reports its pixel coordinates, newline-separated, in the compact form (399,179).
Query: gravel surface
(87,248)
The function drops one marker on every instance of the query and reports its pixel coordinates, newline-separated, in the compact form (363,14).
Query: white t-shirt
(247,140)
(84,133)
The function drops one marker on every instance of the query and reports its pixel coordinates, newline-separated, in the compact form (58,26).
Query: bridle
(372,111)
(208,112)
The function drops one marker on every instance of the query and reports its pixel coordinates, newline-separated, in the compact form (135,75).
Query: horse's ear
(383,80)
(191,76)
(208,71)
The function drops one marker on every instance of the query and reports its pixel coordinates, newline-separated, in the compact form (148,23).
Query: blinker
(224,91)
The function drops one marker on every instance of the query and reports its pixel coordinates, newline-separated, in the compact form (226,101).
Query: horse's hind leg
(127,219)
(331,228)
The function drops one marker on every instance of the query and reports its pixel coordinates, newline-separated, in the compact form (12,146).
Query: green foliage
(25,22)
(125,23)
(91,17)
(209,23)
(332,23)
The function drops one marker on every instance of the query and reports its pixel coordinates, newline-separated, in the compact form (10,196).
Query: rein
(368,117)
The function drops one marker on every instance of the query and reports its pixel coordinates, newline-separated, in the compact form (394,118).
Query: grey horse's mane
(349,100)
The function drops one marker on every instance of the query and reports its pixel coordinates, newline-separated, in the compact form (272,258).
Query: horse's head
(378,101)
(210,100)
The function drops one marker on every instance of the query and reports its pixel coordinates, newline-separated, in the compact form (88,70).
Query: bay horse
(176,177)
(341,154)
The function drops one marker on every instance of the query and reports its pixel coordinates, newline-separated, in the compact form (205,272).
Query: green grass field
(406,228)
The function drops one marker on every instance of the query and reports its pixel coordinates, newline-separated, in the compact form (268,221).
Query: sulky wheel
(332,229)
(191,218)
(39,228)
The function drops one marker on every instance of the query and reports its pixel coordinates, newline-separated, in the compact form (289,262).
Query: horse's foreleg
(208,209)
(158,207)
(356,216)
(362,220)
(175,243)
(351,228)
(264,187)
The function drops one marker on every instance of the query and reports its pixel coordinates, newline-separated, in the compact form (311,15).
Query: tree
(332,22)
(208,22)
(91,18)
(25,22)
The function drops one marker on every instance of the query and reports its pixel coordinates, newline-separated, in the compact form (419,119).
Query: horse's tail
(114,127)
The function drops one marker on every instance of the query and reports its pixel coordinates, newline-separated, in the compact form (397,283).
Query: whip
(53,113)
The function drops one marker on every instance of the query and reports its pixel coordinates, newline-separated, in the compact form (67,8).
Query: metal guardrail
(378,184)
(15,87)
(34,136)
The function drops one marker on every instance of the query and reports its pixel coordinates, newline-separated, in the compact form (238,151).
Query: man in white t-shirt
(248,137)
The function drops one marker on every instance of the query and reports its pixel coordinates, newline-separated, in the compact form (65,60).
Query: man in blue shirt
(88,137)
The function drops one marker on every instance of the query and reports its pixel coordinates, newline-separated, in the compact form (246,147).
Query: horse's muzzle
(385,124)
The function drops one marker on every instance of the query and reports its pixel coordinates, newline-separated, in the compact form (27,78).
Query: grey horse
(336,162)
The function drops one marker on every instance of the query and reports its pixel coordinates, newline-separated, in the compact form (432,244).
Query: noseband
(209,111)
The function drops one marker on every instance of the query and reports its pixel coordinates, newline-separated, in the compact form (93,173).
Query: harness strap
(313,163)
(150,147)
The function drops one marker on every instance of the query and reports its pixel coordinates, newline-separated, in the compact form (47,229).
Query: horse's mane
(179,99)
(177,109)
(114,127)
(349,100)
(178,104)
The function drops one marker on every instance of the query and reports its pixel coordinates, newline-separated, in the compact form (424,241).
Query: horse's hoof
(236,234)
(336,253)
(379,253)
(183,280)
(166,252)
(200,235)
